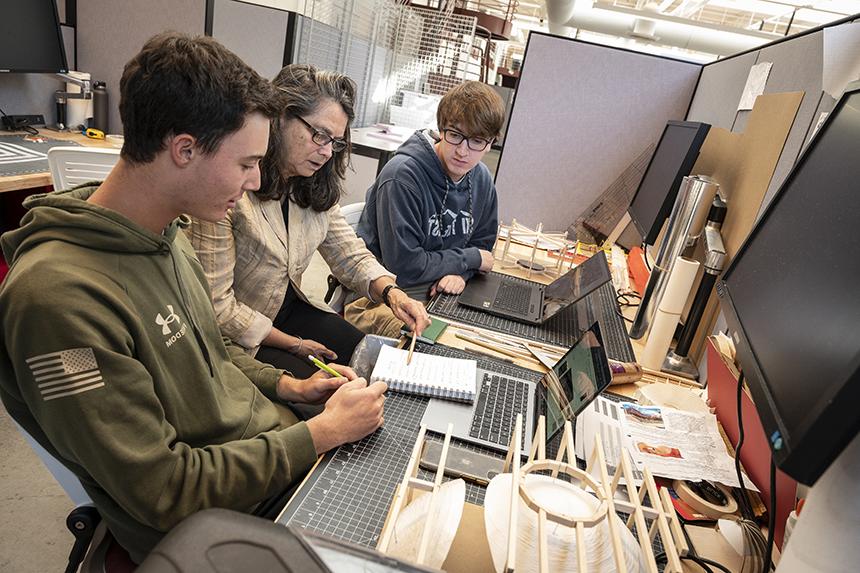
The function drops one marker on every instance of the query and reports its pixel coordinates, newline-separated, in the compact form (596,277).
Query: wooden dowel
(411,348)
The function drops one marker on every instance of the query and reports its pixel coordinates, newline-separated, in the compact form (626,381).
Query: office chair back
(92,540)
(337,294)
(352,214)
(72,166)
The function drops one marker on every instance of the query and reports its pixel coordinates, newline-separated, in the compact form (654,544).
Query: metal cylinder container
(685,224)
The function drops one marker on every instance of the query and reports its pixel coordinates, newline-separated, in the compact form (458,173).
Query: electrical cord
(693,555)
(756,546)
(28,128)
(746,508)
(771,519)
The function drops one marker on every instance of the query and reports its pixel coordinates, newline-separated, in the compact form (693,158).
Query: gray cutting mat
(348,494)
(18,156)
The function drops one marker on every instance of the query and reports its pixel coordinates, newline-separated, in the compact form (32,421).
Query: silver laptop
(575,380)
(533,302)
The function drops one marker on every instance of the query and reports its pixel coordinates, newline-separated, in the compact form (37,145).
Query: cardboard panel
(743,164)
(581,115)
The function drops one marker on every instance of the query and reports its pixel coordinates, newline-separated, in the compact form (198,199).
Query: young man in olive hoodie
(110,353)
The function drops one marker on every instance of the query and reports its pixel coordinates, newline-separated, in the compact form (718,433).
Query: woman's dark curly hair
(302,89)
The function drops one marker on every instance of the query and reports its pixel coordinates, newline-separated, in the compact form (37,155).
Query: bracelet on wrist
(386,291)
(298,347)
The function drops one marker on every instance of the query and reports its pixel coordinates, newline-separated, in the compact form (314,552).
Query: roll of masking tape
(721,501)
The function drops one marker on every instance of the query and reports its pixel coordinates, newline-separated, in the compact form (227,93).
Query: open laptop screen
(575,380)
(581,281)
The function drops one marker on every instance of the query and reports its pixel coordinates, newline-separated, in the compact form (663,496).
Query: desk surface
(43,178)
(347,493)
(375,138)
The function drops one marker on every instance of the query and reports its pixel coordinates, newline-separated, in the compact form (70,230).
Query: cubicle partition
(257,34)
(582,115)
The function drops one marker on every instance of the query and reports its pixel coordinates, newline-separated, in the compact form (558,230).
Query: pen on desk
(411,348)
(323,366)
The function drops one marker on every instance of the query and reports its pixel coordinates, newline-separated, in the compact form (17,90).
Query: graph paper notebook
(427,375)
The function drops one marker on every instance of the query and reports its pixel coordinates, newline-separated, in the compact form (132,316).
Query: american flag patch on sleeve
(65,373)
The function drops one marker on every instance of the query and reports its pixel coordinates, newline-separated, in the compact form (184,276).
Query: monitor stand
(825,536)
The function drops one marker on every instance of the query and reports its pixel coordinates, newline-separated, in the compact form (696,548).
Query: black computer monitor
(30,37)
(791,301)
(673,160)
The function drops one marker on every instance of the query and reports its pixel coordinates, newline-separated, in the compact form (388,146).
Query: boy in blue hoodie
(431,216)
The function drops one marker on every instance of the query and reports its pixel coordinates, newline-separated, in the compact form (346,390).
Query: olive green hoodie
(111,357)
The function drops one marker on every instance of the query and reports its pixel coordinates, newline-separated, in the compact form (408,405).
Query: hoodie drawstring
(194,329)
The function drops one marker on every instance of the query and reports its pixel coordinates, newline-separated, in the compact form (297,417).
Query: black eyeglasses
(454,137)
(322,138)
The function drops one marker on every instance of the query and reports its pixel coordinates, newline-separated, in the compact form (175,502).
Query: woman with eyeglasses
(431,217)
(254,259)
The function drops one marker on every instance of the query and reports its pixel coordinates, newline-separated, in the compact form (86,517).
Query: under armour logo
(164,322)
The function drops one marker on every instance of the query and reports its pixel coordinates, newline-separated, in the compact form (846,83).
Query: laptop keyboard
(513,297)
(499,401)
(490,417)
(612,327)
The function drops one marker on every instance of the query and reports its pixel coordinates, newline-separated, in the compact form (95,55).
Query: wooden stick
(514,459)
(411,348)
(488,345)
(609,495)
(399,500)
(543,550)
(506,338)
(440,471)
(580,546)
(638,516)
(661,522)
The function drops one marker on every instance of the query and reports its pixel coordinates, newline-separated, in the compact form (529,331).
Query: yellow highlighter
(323,366)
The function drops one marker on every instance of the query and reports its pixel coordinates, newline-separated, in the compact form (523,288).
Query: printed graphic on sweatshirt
(65,373)
(448,223)
(171,325)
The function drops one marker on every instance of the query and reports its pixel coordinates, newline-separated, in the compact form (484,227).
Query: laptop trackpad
(440,413)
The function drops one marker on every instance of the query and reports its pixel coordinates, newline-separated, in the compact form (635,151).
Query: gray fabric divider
(719,91)
(582,114)
(256,34)
(797,66)
(110,33)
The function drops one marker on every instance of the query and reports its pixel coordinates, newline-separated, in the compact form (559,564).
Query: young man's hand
(451,284)
(408,310)
(487,261)
(316,389)
(354,411)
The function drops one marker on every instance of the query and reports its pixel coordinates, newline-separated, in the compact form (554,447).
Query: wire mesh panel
(387,47)
(434,51)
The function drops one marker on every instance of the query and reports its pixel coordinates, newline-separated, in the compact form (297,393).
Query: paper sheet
(672,443)
(756,82)
(841,58)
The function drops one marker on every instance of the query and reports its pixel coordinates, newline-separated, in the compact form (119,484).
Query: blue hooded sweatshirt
(423,226)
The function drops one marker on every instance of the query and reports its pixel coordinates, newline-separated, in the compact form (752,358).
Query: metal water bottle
(100,106)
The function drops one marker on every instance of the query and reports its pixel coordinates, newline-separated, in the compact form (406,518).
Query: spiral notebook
(427,375)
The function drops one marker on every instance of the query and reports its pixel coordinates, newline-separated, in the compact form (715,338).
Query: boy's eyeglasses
(454,137)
